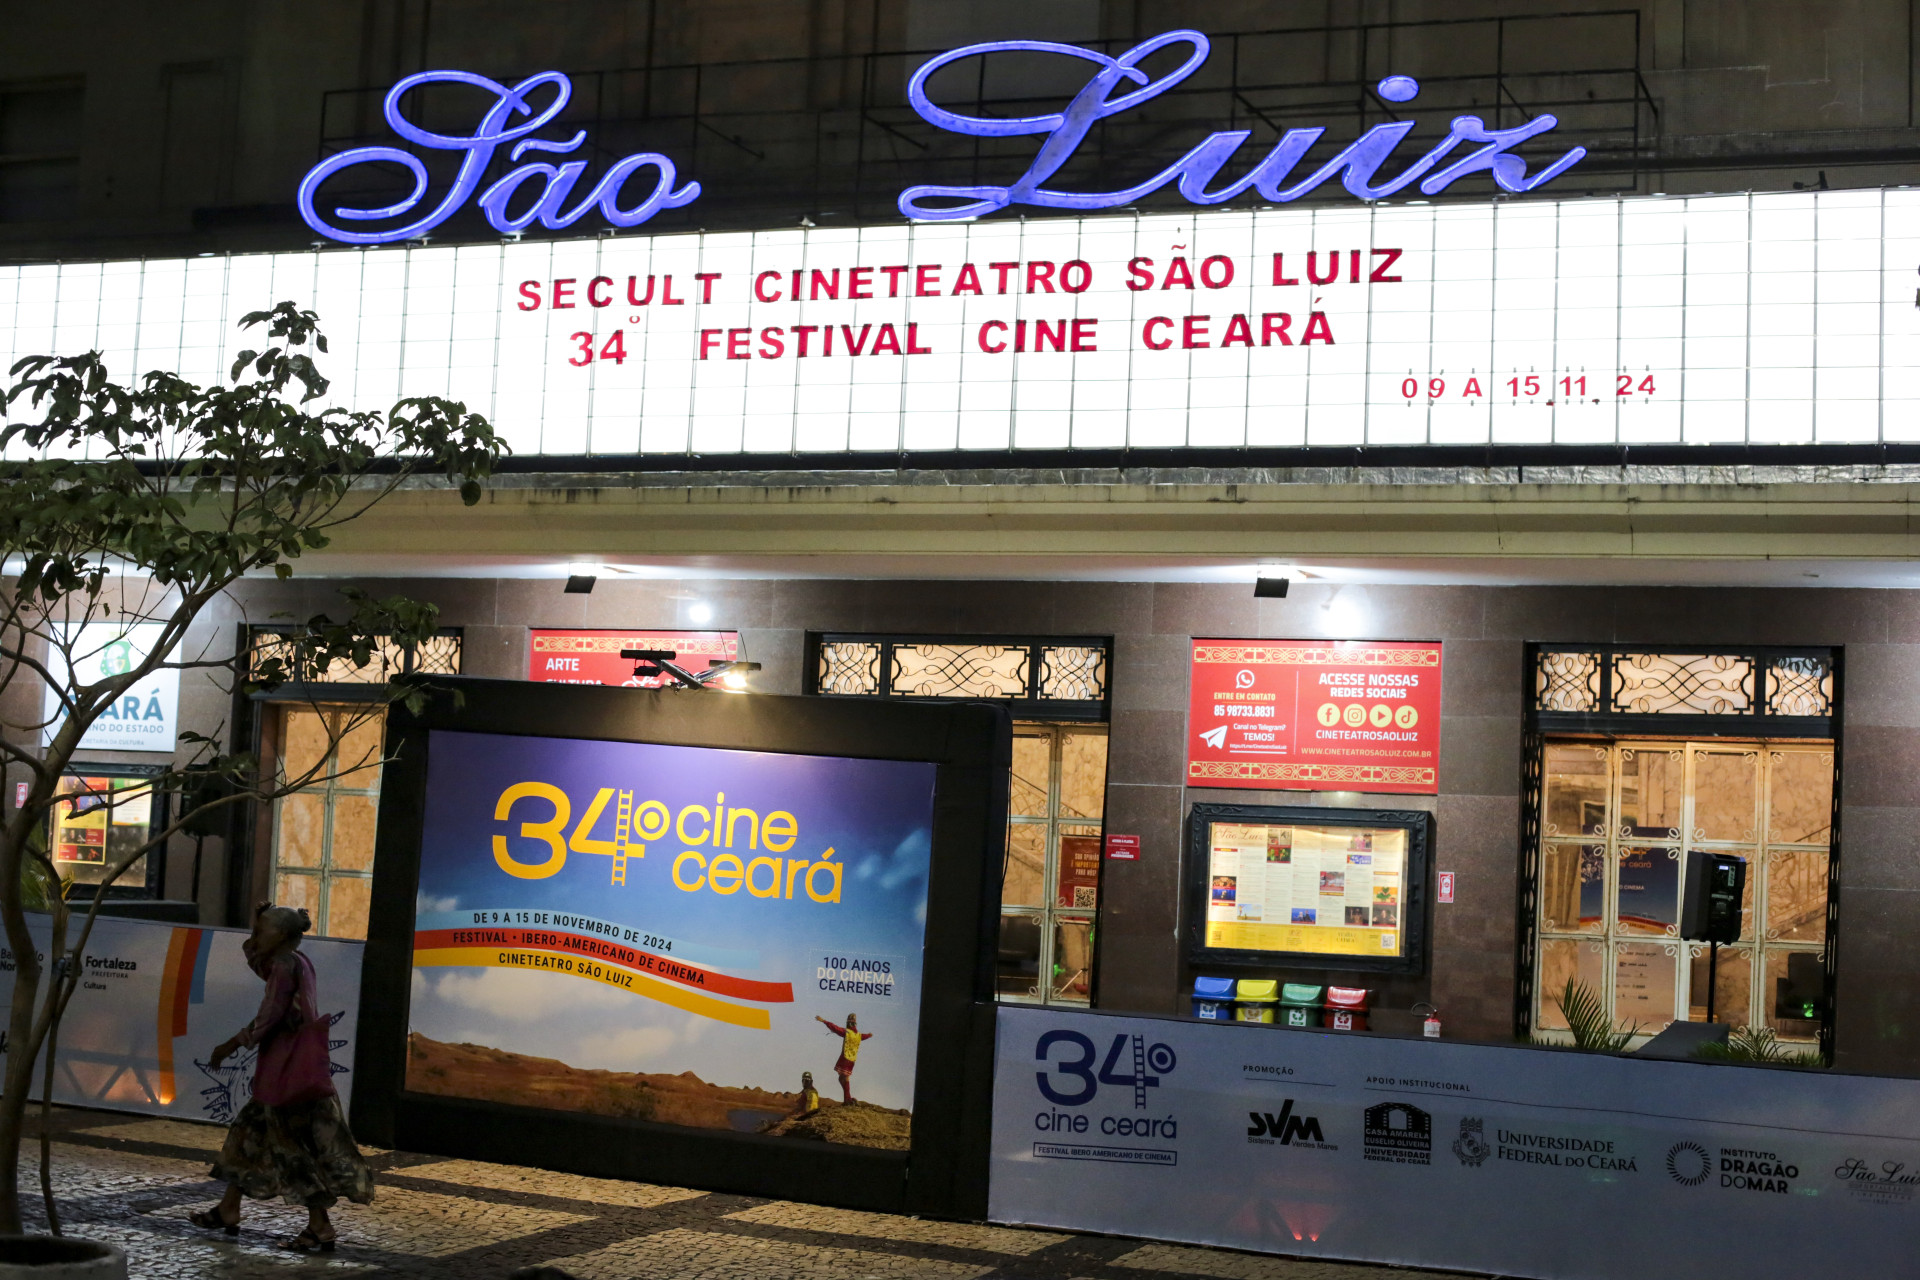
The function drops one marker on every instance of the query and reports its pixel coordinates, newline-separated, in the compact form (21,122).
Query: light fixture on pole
(730,676)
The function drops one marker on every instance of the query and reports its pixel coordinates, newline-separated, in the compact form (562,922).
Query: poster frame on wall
(944,1173)
(1415,886)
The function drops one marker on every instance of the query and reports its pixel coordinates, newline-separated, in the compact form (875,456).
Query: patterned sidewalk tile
(134,1181)
(682,1254)
(565,1186)
(885,1226)
(1228,1265)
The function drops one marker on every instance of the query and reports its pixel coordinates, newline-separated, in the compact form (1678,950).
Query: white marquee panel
(1764,319)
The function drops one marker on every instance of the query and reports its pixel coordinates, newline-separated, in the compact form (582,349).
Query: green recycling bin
(1300,1004)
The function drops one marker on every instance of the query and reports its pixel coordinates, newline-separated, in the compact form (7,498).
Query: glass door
(1050,887)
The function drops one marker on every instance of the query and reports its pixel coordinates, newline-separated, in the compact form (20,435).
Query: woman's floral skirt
(303,1153)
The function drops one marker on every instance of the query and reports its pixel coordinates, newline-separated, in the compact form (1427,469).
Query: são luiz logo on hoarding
(552,204)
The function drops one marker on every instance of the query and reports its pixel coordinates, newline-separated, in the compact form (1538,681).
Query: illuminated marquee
(1771,318)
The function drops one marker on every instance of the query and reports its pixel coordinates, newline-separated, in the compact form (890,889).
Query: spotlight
(700,614)
(579,584)
(1266,588)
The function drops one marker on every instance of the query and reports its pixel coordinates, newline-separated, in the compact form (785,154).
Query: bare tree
(141,506)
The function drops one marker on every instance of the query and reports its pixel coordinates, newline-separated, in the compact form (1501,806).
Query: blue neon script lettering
(1358,164)
(548,208)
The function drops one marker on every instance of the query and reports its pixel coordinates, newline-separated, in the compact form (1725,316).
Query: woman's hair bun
(291,921)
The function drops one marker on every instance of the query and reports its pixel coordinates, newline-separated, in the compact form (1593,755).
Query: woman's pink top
(288,975)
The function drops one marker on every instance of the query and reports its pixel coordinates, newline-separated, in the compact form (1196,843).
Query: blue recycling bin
(1213,999)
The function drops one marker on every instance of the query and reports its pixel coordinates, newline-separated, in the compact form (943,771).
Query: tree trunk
(19,1083)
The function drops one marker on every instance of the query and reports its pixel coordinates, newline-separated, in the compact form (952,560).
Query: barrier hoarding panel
(1517,1161)
(155,1000)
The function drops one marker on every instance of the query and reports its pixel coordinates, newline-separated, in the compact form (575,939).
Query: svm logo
(1287,1129)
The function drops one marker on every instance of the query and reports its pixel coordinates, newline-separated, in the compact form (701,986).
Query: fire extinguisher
(1431,1027)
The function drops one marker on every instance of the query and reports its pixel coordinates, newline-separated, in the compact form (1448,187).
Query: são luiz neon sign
(1357,165)
(495,130)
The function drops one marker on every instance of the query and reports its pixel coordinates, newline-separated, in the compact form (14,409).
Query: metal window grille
(1633,688)
(439,654)
(1052,678)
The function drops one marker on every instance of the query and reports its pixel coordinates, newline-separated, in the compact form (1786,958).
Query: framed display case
(104,811)
(1277,886)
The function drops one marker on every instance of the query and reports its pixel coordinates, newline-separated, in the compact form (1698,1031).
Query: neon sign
(1358,163)
(493,132)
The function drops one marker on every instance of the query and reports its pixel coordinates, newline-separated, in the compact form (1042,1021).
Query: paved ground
(133,1181)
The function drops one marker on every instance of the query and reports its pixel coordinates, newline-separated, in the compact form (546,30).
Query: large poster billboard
(718,939)
(1506,1160)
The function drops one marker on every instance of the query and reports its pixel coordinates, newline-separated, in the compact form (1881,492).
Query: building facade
(1669,579)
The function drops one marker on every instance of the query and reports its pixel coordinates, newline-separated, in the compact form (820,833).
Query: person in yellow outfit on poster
(850,1038)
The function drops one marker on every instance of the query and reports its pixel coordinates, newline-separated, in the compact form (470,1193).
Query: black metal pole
(1713,974)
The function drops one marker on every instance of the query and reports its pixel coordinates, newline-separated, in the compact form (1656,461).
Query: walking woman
(291,1140)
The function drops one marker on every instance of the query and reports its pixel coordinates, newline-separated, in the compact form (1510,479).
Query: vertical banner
(1315,715)
(1513,1161)
(709,938)
(593,657)
(154,1001)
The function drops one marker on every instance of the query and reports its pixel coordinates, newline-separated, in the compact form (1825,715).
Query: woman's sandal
(308,1242)
(214,1220)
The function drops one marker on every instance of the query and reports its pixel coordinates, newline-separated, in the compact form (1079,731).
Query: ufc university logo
(1286,1126)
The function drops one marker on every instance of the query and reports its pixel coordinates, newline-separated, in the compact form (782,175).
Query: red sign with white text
(1315,715)
(593,657)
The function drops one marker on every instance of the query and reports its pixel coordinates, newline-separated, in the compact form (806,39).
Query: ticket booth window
(323,834)
(1050,889)
(1618,819)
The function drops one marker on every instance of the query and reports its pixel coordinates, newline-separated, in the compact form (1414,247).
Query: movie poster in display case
(1312,887)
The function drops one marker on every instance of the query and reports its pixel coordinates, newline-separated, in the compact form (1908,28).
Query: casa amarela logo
(1398,1133)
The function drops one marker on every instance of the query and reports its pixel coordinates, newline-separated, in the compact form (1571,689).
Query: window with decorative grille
(319,841)
(1617,819)
(1057,689)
